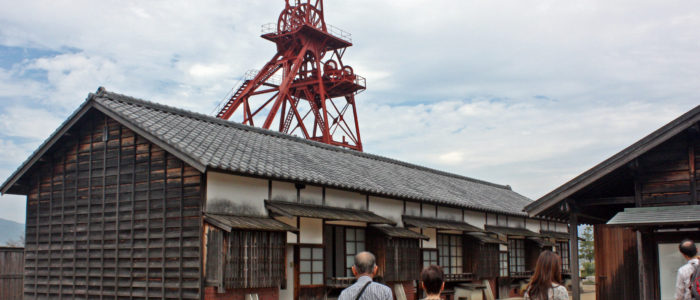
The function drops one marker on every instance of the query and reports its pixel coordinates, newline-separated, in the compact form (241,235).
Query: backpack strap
(362,291)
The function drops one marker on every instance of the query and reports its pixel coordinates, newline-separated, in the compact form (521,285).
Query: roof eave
(152,138)
(7,186)
(616,161)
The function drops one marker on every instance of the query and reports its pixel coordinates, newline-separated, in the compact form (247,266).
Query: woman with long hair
(545,284)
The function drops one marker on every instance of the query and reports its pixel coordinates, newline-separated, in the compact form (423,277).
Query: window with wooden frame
(430,257)
(450,253)
(354,243)
(516,255)
(342,243)
(563,251)
(310,266)
(245,259)
(503,264)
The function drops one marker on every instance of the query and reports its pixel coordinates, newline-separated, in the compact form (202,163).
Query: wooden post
(573,237)
(691,165)
(641,268)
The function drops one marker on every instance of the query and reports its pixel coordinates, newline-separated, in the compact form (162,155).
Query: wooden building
(131,199)
(11,273)
(642,201)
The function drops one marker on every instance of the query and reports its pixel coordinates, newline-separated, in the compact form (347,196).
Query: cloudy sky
(526,93)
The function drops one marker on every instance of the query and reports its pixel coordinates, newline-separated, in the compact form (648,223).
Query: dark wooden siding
(254,259)
(11,267)
(402,260)
(616,263)
(109,215)
(398,259)
(667,175)
(481,259)
(215,253)
(532,253)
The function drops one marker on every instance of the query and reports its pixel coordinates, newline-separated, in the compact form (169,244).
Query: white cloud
(533,146)
(527,93)
(25,122)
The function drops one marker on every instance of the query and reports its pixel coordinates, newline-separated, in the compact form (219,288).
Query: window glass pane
(305,266)
(426,255)
(349,261)
(305,253)
(318,253)
(318,266)
(305,279)
(360,247)
(317,278)
(350,248)
(349,234)
(360,234)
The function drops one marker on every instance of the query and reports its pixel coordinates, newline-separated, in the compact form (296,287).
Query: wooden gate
(616,263)
(11,268)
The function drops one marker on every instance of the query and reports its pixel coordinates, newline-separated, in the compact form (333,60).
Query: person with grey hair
(365,269)
(685,273)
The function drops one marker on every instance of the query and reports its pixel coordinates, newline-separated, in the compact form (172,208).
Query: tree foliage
(18,242)
(585,247)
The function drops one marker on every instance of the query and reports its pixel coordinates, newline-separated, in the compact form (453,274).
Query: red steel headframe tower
(305,88)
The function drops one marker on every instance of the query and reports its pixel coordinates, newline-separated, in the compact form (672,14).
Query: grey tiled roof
(485,239)
(399,232)
(292,209)
(208,143)
(511,231)
(657,216)
(228,222)
(422,222)
(555,234)
(230,146)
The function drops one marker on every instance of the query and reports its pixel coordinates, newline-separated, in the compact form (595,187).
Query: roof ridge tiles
(104,93)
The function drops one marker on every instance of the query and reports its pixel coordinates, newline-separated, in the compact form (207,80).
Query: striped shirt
(374,291)
(683,280)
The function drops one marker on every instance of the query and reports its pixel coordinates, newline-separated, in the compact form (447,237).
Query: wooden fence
(11,267)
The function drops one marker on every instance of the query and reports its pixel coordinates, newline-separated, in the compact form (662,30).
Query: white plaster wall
(432,234)
(284,191)
(448,213)
(236,194)
(288,293)
(413,208)
(345,199)
(503,221)
(532,225)
(291,236)
(475,218)
(311,231)
(429,210)
(311,194)
(388,208)
(561,227)
(492,219)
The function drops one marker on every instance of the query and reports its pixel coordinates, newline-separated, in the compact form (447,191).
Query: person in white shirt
(689,252)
